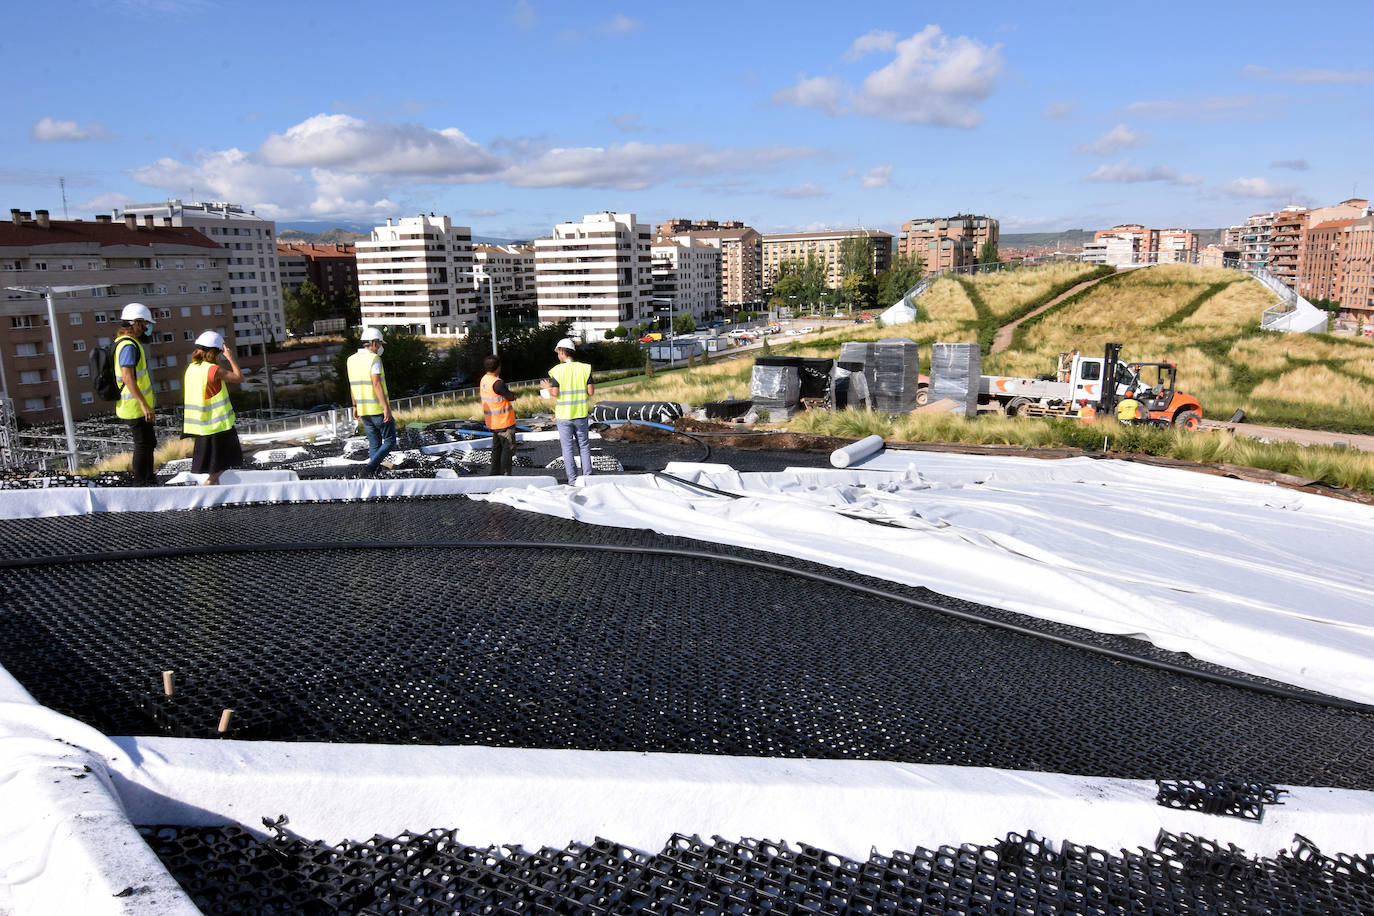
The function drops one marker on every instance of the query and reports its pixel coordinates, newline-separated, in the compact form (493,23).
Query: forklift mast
(1110,358)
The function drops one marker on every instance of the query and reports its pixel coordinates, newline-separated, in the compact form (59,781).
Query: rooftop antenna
(62,183)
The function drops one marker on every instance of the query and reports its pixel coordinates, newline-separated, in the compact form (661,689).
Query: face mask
(147,332)
(381,348)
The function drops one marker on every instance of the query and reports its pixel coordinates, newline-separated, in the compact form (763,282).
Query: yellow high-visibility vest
(571,379)
(360,381)
(202,417)
(127,408)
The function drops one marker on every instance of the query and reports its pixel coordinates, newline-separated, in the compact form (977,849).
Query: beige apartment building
(947,242)
(1132,243)
(504,275)
(826,244)
(1356,290)
(741,259)
(597,273)
(416,273)
(179,273)
(686,274)
(1322,259)
(254,278)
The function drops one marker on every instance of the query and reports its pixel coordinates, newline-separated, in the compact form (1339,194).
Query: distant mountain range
(1074,238)
(318,233)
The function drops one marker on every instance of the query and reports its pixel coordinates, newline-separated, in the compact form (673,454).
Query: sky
(512,117)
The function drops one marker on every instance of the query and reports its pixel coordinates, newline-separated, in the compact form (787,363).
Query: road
(1289,434)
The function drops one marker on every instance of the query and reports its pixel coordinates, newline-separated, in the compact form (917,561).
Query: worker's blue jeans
(381,439)
(568,430)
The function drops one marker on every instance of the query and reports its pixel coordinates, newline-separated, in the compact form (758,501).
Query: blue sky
(510,117)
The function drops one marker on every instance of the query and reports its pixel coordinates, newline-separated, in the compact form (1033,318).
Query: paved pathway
(1004,334)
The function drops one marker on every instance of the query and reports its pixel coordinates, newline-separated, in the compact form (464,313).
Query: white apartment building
(686,277)
(505,274)
(596,273)
(416,273)
(1116,250)
(254,279)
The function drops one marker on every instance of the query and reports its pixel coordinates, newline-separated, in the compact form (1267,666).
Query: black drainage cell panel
(227,870)
(490,626)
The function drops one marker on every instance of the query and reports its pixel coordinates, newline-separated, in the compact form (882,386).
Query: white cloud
(635,166)
(523,16)
(1058,111)
(50,130)
(932,79)
(628,122)
(1212,108)
(1297,165)
(874,41)
(802,191)
(1115,140)
(1124,172)
(820,92)
(104,203)
(343,141)
(621,24)
(876,177)
(1256,187)
(1309,75)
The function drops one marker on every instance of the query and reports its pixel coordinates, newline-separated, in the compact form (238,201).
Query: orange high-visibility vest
(497,412)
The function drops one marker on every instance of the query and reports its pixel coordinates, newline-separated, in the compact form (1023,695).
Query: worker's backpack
(102,365)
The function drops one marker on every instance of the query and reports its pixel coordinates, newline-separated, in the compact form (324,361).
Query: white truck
(1077,390)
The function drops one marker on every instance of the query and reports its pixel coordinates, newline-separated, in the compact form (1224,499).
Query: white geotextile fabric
(238,488)
(549,797)
(1269,581)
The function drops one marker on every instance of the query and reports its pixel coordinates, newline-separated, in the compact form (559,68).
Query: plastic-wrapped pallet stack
(815,376)
(955,371)
(896,375)
(775,385)
(853,351)
(849,388)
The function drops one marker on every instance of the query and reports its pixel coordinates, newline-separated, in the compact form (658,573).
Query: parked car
(807,330)
(457,381)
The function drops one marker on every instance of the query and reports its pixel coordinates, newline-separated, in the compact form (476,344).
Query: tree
(856,256)
(988,253)
(304,307)
(906,271)
(684,324)
(346,306)
(801,283)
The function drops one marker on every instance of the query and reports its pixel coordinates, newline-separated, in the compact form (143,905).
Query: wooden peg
(169,682)
(224,718)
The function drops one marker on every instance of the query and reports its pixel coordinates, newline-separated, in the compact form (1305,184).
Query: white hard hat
(565,344)
(370,334)
(211,340)
(136,310)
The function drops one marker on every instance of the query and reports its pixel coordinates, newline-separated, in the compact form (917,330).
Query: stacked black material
(814,373)
(955,373)
(481,624)
(896,375)
(226,870)
(862,353)
(775,384)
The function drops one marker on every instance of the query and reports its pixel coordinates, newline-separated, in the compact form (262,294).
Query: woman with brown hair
(209,416)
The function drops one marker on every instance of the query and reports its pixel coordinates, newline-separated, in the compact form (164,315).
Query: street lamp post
(491,303)
(266,368)
(46,292)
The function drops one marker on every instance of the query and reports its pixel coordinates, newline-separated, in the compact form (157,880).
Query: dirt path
(1003,338)
(1300,436)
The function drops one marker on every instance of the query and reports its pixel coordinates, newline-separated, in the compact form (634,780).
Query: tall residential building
(741,260)
(333,268)
(1322,259)
(795,246)
(1285,244)
(686,277)
(947,242)
(1132,243)
(416,274)
(1259,229)
(1117,250)
(507,271)
(1356,290)
(254,281)
(181,275)
(597,274)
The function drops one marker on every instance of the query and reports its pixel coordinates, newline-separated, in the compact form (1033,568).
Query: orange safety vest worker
(497,412)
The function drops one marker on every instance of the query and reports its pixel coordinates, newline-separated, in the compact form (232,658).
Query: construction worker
(135,405)
(1129,410)
(498,413)
(570,382)
(209,417)
(367,385)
